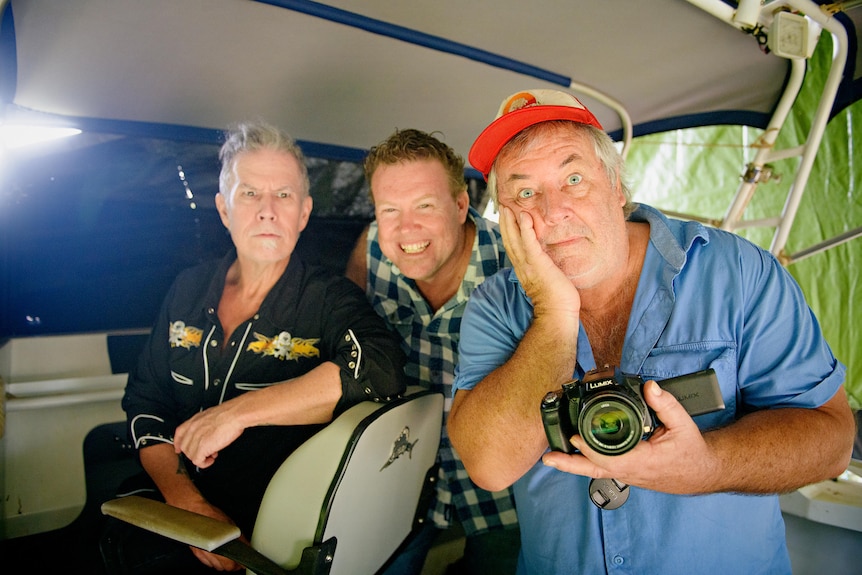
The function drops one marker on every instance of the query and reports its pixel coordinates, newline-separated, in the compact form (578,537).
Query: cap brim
(492,139)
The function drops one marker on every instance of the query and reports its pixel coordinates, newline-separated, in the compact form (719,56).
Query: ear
(307,204)
(463,203)
(621,197)
(221,206)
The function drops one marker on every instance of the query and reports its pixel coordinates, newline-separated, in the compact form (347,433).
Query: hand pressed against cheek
(522,245)
(511,232)
(539,275)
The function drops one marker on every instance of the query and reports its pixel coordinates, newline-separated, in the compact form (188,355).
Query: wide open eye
(526,193)
(574,179)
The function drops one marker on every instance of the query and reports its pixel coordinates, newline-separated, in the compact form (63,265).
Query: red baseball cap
(520,111)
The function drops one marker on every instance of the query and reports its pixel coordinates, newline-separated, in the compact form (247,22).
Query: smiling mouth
(415,248)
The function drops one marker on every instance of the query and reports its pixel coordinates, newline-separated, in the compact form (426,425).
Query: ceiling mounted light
(18,135)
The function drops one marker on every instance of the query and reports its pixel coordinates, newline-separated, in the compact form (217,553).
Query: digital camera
(607,408)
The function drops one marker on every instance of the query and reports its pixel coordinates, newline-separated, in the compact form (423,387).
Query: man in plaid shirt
(418,262)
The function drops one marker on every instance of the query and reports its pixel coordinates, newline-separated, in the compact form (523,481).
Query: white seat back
(358,480)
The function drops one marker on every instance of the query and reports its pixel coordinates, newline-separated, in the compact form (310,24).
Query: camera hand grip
(558,429)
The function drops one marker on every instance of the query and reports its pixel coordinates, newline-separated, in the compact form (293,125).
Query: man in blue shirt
(598,280)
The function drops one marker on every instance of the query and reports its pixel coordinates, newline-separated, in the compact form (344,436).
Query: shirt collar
(290,280)
(672,238)
(474,268)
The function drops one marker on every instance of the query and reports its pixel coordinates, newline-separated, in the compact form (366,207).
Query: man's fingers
(511,234)
(669,411)
(575,464)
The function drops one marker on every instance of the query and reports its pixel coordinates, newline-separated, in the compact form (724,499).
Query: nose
(407,220)
(266,207)
(555,207)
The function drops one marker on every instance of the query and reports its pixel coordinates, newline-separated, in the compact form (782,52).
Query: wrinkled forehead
(267,168)
(545,141)
(538,137)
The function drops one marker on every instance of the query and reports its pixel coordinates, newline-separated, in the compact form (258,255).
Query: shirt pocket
(253,386)
(669,361)
(182,379)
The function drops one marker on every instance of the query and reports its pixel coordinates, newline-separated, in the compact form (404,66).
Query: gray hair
(603,145)
(250,137)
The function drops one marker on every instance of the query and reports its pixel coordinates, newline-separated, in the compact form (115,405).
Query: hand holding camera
(608,410)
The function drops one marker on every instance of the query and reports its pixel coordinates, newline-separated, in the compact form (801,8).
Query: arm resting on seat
(173,522)
(199,531)
(359,480)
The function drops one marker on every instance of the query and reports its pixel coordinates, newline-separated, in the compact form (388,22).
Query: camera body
(607,408)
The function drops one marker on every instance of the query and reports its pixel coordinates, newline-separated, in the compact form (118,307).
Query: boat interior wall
(58,389)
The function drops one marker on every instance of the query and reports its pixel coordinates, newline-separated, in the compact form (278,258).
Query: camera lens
(610,426)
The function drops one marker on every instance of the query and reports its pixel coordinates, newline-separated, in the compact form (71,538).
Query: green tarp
(698,171)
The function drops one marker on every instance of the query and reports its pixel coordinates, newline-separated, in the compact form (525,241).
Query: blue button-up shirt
(705,298)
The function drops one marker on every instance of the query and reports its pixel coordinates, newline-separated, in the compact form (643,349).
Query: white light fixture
(19,135)
(790,37)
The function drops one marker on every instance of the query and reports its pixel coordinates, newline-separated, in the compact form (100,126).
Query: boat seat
(343,502)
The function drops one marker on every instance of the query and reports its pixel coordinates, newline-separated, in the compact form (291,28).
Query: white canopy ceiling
(341,74)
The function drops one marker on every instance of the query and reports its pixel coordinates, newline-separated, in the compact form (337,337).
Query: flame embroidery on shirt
(180,335)
(283,346)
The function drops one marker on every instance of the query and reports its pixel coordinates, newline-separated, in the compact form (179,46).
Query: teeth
(414,248)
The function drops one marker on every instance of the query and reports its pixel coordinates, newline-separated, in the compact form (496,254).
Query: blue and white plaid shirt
(430,340)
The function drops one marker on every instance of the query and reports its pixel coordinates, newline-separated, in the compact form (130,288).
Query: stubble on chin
(575,266)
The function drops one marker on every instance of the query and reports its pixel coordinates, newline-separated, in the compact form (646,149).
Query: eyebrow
(571,158)
(245,186)
(421,199)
